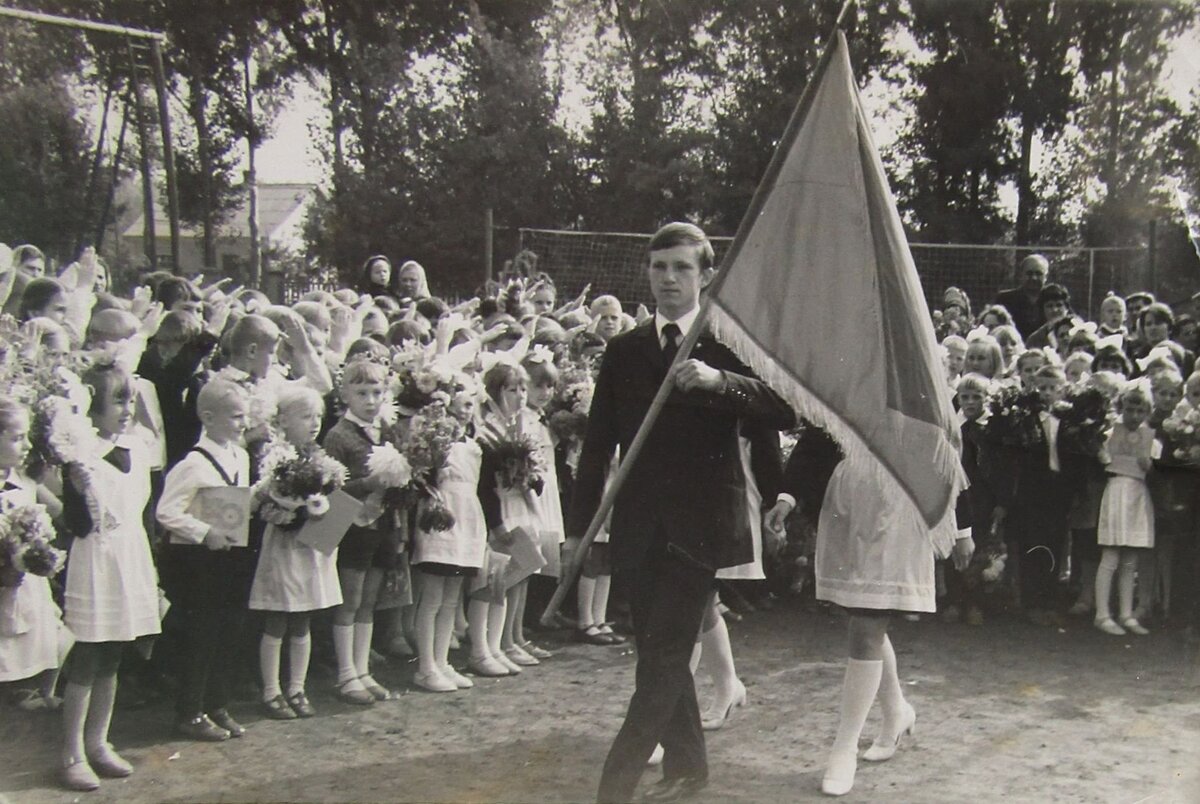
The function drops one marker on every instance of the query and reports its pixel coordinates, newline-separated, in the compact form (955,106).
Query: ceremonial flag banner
(823,301)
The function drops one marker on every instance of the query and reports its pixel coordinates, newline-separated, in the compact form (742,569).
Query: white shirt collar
(224,455)
(363,422)
(684,322)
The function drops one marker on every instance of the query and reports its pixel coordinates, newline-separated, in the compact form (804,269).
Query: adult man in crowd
(680,515)
(1022,301)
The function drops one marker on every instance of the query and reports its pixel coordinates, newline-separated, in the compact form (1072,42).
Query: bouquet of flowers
(62,435)
(1012,418)
(431,434)
(296,484)
(27,545)
(421,380)
(1183,428)
(567,413)
(520,466)
(1084,418)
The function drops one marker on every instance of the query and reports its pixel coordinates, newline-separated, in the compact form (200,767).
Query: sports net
(615,263)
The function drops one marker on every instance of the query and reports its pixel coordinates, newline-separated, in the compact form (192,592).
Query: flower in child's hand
(390,465)
(317,505)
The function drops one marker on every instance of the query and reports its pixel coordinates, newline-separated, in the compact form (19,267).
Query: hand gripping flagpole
(571,571)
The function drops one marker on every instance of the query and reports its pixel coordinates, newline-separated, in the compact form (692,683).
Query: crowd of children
(191,466)
(1083,454)
(194,475)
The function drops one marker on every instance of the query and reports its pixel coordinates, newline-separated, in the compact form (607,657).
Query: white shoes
(1109,626)
(839,774)
(434,681)
(884,746)
(1132,625)
(716,717)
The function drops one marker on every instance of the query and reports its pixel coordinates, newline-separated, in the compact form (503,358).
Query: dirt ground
(1006,711)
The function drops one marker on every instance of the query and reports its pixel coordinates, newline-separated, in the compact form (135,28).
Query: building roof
(278,204)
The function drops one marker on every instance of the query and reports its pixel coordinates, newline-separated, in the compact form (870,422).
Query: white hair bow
(1083,326)
(977,333)
(1157,353)
(1116,341)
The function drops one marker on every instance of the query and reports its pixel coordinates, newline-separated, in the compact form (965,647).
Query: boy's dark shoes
(202,729)
(225,721)
(278,709)
(680,788)
(592,636)
(300,705)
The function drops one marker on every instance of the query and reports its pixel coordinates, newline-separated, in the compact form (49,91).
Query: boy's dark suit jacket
(687,485)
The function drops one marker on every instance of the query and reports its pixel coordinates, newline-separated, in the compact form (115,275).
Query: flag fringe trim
(729,331)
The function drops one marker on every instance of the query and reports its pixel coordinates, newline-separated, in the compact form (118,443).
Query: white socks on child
(269,650)
(362,648)
(600,601)
(299,652)
(585,597)
(343,646)
(858,693)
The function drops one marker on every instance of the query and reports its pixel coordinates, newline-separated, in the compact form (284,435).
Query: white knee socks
(343,646)
(1110,559)
(299,651)
(858,693)
(1125,580)
(600,600)
(269,650)
(99,713)
(362,648)
(585,596)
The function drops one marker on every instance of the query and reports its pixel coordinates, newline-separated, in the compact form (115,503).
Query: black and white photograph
(487,401)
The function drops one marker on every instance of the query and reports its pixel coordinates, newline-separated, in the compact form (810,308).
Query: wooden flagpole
(759,199)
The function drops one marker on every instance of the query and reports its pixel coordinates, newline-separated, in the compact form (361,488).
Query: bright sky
(289,156)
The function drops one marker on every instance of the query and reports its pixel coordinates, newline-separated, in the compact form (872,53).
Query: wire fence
(615,263)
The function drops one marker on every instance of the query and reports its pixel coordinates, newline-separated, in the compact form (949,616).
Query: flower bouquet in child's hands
(296,484)
(516,454)
(567,413)
(431,434)
(390,465)
(1012,418)
(1084,418)
(1183,428)
(27,545)
(62,435)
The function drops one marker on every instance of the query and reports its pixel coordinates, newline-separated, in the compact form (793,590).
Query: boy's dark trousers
(1039,524)
(211,588)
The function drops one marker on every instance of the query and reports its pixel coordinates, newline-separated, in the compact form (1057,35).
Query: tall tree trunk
(252,181)
(102,222)
(336,119)
(198,109)
(89,195)
(1026,199)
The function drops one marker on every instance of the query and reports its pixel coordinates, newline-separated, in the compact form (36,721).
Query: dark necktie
(119,457)
(671,348)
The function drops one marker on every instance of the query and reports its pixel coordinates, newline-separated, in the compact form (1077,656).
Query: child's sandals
(300,705)
(348,694)
(278,709)
(535,651)
(374,688)
(77,774)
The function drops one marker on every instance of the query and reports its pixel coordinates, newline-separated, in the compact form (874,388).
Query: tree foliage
(618,114)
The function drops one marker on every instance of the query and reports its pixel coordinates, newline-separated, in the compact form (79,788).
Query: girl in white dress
(32,636)
(547,506)
(1126,513)
(714,651)
(442,559)
(112,586)
(506,387)
(875,557)
(292,580)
